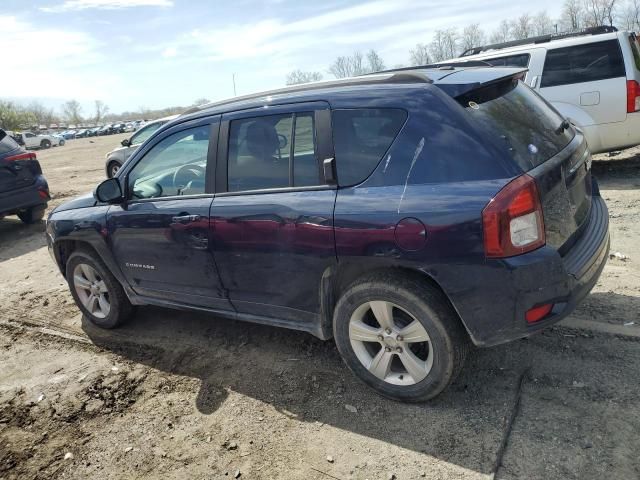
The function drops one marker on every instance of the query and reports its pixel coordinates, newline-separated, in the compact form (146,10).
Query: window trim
(157,137)
(324,143)
(526,54)
(572,47)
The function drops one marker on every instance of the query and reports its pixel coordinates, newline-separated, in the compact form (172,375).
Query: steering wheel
(186,174)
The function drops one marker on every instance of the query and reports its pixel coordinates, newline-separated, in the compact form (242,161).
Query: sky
(135,54)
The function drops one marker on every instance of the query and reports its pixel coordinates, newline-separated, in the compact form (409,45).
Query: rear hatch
(17,167)
(536,137)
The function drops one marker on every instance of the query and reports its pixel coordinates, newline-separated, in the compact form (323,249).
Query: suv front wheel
(96,291)
(400,336)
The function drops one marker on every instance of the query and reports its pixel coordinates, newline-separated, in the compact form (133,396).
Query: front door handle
(186,219)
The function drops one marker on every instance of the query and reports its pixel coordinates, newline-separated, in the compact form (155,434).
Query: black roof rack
(435,66)
(372,79)
(541,39)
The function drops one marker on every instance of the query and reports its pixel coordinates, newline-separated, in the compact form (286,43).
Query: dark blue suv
(408,214)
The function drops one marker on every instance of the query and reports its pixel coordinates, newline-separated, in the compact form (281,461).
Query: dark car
(408,214)
(23,188)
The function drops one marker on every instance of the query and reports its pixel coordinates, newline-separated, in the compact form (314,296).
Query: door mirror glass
(125,142)
(109,191)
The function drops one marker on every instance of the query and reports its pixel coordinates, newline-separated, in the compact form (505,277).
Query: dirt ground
(184,395)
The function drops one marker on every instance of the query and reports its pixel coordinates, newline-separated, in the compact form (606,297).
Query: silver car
(117,157)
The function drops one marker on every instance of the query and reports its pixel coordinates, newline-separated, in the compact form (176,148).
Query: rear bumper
(16,200)
(495,312)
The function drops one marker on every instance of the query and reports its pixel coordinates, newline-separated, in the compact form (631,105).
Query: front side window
(583,63)
(521,60)
(361,137)
(261,150)
(175,166)
(145,132)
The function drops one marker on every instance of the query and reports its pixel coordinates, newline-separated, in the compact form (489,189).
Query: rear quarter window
(361,137)
(583,63)
(521,60)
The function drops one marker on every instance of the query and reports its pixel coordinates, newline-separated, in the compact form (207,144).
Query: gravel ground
(177,394)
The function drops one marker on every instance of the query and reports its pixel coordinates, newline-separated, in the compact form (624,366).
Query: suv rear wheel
(96,291)
(400,337)
(45,144)
(32,215)
(113,169)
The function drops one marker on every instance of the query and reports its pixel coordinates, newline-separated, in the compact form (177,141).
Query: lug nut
(399,338)
(388,331)
(399,350)
(387,349)
(380,337)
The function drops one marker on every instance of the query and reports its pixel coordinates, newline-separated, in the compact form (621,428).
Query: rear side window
(361,137)
(635,49)
(517,119)
(7,144)
(583,63)
(521,60)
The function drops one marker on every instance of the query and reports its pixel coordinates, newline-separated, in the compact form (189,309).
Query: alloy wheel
(92,290)
(390,343)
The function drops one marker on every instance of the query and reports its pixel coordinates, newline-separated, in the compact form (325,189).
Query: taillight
(633,96)
(512,221)
(21,156)
(536,314)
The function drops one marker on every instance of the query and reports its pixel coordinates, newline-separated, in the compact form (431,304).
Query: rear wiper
(565,125)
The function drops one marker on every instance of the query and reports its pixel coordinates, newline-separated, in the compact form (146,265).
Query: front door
(160,235)
(273,213)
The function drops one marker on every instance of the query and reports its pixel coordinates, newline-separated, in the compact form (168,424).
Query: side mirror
(109,191)
(125,143)
(282,141)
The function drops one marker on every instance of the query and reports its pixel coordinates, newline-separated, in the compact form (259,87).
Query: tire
(45,144)
(113,168)
(32,215)
(435,359)
(61,143)
(105,287)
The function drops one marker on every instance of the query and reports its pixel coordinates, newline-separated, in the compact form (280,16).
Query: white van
(591,77)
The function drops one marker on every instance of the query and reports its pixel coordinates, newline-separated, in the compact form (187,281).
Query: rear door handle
(186,219)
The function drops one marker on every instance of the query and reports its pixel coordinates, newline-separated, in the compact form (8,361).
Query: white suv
(591,77)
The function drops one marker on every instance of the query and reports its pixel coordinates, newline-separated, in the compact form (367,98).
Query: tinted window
(521,60)
(7,144)
(145,132)
(519,120)
(360,138)
(635,49)
(260,150)
(583,63)
(175,166)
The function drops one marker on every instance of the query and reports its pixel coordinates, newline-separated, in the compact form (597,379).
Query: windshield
(520,121)
(145,133)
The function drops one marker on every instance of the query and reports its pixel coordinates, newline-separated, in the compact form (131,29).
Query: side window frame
(160,135)
(528,55)
(324,144)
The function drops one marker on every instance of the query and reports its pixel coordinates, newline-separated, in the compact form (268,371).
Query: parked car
(23,189)
(58,140)
(84,133)
(31,140)
(68,134)
(591,77)
(116,158)
(407,214)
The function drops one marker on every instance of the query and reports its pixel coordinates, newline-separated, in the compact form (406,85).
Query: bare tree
(629,15)
(502,33)
(444,45)
(72,111)
(599,12)
(101,110)
(522,27)
(375,62)
(419,55)
(298,76)
(472,36)
(572,16)
(542,24)
(201,101)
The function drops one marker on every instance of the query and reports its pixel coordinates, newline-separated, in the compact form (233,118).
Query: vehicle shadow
(306,379)
(617,174)
(610,308)
(17,239)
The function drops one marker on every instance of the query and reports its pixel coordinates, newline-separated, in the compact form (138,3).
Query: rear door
(273,213)
(14,173)
(590,76)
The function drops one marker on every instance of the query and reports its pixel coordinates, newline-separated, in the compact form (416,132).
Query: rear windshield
(518,120)
(7,144)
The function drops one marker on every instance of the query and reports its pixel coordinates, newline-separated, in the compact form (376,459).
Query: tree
(419,55)
(297,77)
(542,24)
(201,101)
(72,111)
(472,36)
(522,27)
(571,18)
(599,12)
(101,110)
(502,33)
(444,45)
(13,117)
(375,63)
(629,15)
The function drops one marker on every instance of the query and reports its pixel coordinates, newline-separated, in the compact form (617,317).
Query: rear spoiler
(461,82)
